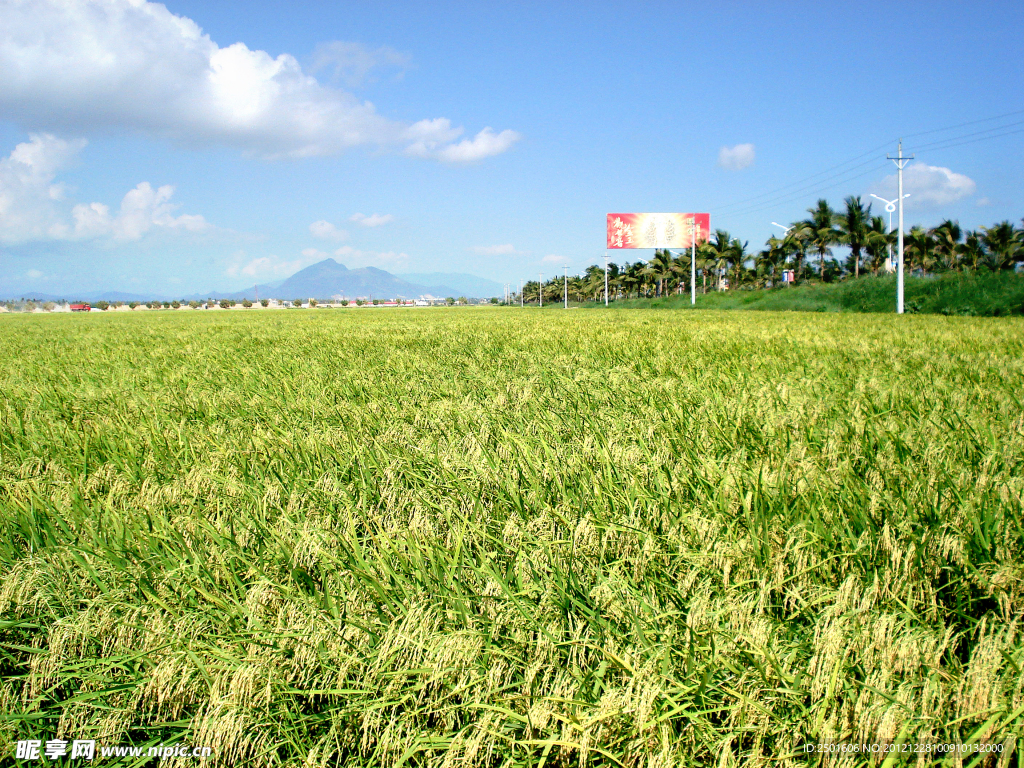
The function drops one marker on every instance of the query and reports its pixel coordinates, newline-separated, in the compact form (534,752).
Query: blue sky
(212,145)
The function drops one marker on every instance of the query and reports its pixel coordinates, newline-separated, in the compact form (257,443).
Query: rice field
(506,537)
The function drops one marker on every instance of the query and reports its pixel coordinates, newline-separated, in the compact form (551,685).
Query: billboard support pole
(693,261)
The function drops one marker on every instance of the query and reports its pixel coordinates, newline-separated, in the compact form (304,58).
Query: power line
(968,135)
(808,178)
(972,141)
(843,177)
(816,188)
(962,125)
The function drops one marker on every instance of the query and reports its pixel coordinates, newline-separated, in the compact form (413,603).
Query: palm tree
(1004,245)
(853,228)
(946,239)
(972,249)
(719,251)
(771,258)
(706,255)
(917,249)
(797,239)
(738,256)
(661,269)
(823,232)
(877,241)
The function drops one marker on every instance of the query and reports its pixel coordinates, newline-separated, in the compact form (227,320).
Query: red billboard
(656,230)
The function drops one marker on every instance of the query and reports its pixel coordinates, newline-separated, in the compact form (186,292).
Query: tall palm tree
(706,254)
(946,238)
(877,243)
(1004,245)
(972,250)
(661,269)
(771,258)
(797,239)
(719,250)
(853,228)
(738,256)
(823,232)
(918,250)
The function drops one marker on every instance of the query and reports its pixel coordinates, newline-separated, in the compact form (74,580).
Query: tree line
(725,263)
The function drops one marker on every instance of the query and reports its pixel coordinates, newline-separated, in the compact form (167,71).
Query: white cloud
(29,193)
(354,257)
(929,186)
(373,220)
(327,231)
(97,64)
(34,274)
(484,144)
(983,202)
(353,62)
(553,257)
(736,158)
(493,250)
(33,207)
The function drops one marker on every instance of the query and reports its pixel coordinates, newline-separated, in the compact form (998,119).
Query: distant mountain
(324,280)
(327,279)
(470,286)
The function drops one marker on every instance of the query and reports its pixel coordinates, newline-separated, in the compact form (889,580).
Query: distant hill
(327,279)
(470,286)
(323,280)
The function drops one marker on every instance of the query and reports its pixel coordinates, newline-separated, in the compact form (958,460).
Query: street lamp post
(606,279)
(901,163)
(890,206)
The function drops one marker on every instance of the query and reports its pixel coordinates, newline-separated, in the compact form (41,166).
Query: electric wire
(807,178)
(970,141)
(758,202)
(963,125)
(968,135)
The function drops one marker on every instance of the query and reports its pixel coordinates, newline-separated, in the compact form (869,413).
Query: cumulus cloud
(97,64)
(373,220)
(33,204)
(493,250)
(327,231)
(736,158)
(484,144)
(553,258)
(352,63)
(929,186)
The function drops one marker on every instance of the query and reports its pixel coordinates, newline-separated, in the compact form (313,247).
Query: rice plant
(513,538)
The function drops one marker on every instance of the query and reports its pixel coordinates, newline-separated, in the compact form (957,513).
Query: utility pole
(521,293)
(566,284)
(606,279)
(693,261)
(540,289)
(901,163)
